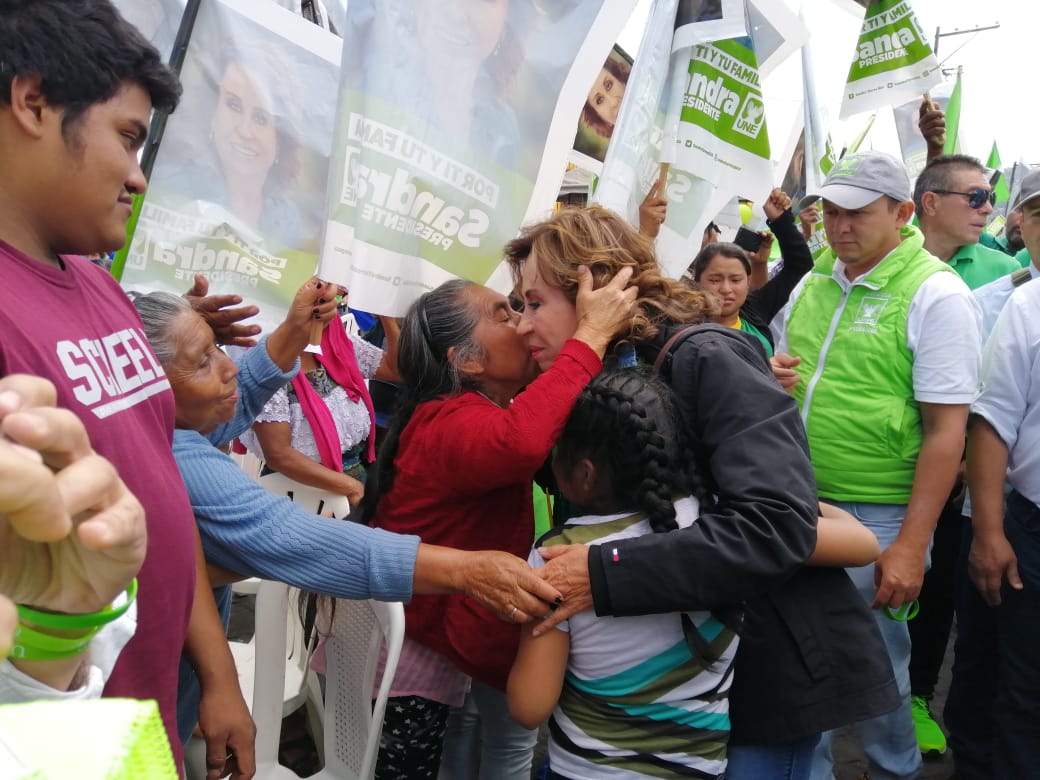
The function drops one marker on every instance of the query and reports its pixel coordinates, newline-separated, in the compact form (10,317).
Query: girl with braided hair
(646,696)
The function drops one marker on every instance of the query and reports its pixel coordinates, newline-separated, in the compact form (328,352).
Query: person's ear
(586,480)
(29,107)
(929,201)
(905,212)
(471,367)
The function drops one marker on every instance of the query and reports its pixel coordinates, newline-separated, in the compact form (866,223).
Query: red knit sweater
(463,479)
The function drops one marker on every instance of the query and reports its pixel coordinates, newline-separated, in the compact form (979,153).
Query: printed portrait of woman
(456,73)
(250,142)
(254,143)
(600,112)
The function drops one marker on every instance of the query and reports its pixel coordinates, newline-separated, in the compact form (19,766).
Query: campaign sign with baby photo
(237,191)
(454,123)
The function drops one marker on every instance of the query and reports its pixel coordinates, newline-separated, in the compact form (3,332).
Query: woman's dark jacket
(811,657)
(764,303)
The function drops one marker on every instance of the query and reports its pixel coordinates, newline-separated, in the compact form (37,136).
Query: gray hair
(158,310)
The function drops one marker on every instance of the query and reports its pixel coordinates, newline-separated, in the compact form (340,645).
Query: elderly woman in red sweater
(456,468)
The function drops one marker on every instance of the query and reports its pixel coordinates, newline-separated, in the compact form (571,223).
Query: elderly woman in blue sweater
(248,532)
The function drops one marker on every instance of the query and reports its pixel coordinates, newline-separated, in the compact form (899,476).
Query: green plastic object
(96,739)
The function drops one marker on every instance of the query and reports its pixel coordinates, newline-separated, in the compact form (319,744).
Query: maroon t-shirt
(76,327)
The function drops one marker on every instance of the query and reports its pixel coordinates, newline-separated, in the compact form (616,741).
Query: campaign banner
(237,190)
(157,20)
(600,112)
(700,111)
(454,123)
(893,60)
(912,145)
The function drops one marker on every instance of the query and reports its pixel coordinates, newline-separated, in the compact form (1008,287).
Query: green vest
(857,393)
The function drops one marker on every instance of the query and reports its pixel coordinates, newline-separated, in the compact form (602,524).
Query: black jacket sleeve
(763,526)
(764,303)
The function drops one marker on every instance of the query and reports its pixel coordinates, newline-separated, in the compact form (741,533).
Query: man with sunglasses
(953,202)
(889,346)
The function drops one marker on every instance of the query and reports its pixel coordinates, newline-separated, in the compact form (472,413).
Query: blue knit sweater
(248,530)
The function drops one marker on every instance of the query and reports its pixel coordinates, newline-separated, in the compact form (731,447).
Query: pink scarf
(338,358)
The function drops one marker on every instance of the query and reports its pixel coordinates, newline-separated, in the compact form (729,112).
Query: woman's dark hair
(83,51)
(628,425)
(441,321)
(711,251)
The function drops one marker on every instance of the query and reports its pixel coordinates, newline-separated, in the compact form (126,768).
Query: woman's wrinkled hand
(566,569)
(506,585)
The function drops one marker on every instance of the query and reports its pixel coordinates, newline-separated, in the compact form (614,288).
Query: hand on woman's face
(202,377)
(727,278)
(549,317)
(244,135)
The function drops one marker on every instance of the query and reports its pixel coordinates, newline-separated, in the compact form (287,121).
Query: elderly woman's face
(507,364)
(549,318)
(203,378)
(244,125)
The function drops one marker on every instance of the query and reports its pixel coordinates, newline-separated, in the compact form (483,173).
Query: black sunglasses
(976,197)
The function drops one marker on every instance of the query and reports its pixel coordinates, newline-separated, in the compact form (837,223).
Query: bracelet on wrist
(65,622)
(32,645)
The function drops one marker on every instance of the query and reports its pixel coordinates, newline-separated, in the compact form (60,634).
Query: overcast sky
(998,98)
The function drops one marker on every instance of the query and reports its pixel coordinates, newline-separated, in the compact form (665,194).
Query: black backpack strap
(669,346)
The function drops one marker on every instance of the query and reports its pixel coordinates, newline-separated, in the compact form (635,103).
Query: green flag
(893,62)
(1000,186)
(953,118)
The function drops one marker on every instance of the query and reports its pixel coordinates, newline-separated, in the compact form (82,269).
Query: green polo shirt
(1023,257)
(977,265)
(999,243)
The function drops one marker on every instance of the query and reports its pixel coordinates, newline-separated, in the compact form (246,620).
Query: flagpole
(155,132)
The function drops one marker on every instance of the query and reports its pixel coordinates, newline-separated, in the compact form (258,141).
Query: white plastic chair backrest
(353,724)
(320,502)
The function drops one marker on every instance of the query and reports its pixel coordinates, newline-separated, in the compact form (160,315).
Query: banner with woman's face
(454,123)
(158,20)
(237,191)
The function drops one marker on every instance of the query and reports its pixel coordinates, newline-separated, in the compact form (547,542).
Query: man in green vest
(887,337)
(953,201)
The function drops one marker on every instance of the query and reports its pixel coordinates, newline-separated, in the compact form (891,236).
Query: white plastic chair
(320,502)
(276,654)
(353,723)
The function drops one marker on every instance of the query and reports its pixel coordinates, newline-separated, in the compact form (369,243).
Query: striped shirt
(636,701)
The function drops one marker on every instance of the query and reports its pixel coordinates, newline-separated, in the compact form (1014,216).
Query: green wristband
(64,622)
(32,645)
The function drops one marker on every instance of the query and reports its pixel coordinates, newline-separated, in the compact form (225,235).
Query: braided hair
(627,424)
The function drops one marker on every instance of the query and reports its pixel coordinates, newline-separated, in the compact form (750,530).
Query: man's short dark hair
(938,174)
(84,51)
